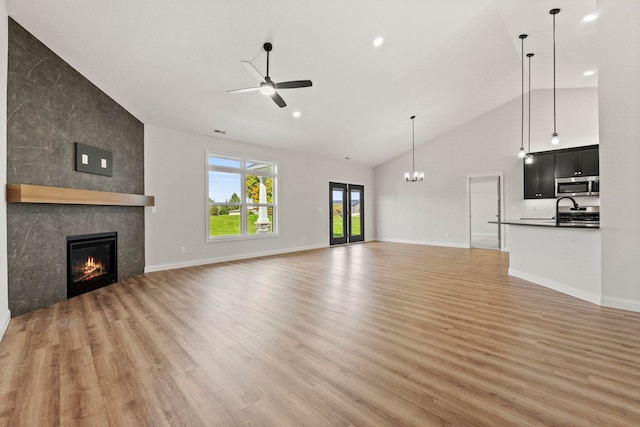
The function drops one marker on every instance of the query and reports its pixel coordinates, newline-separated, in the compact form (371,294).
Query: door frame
(501,236)
(347,217)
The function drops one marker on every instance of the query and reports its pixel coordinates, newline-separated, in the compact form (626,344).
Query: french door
(346,213)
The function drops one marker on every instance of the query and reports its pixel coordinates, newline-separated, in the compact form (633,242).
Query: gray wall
(49,107)
(4,292)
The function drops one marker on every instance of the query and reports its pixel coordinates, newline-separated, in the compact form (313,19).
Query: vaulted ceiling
(170,63)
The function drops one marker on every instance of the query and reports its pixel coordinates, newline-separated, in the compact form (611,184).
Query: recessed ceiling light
(589,73)
(378,41)
(589,18)
(296,114)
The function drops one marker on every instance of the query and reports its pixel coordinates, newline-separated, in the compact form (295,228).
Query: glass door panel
(356,214)
(338,208)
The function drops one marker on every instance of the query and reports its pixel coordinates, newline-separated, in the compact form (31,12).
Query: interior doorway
(485,204)
(346,213)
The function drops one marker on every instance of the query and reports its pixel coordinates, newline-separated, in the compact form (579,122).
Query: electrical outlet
(183,250)
(446,234)
(154,209)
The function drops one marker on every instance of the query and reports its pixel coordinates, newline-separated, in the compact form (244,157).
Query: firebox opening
(91,262)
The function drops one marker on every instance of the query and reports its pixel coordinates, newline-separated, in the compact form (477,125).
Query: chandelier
(415,176)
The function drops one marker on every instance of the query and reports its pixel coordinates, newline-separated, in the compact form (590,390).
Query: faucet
(575,206)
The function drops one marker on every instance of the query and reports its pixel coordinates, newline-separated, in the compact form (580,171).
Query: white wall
(434,211)
(175,175)
(5,315)
(619,89)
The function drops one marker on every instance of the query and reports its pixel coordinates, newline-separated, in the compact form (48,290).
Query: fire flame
(91,268)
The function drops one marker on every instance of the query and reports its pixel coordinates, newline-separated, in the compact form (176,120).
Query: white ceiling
(170,63)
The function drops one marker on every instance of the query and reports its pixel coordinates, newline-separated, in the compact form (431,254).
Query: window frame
(244,205)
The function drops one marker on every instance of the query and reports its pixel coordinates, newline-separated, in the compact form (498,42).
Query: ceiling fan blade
(278,100)
(244,90)
(293,84)
(253,71)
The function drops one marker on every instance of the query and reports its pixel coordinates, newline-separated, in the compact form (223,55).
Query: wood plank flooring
(376,334)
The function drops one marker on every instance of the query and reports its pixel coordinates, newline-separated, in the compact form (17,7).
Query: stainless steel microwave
(578,186)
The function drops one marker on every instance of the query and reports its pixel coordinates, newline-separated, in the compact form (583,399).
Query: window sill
(236,238)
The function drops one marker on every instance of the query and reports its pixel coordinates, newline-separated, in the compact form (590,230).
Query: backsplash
(546,208)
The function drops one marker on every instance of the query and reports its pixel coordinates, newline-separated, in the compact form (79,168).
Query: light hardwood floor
(376,334)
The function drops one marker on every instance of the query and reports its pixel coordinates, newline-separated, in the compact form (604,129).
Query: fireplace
(92,262)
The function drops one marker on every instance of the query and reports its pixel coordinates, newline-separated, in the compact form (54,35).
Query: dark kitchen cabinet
(539,180)
(577,162)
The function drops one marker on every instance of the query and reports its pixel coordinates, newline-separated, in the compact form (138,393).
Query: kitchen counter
(542,222)
(547,255)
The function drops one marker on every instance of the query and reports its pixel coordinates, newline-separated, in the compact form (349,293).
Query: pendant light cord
(554,74)
(522,37)
(413,146)
(554,12)
(529,55)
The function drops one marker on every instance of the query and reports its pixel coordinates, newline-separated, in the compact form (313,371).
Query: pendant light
(529,158)
(416,176)
(555,140)
(522,153)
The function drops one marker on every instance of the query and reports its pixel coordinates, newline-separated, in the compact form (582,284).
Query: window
(241,198)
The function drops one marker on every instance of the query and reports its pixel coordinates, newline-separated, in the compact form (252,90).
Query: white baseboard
(484,235)
(5,318)
(574,292)
(621,303)
(193,263)
(427,243)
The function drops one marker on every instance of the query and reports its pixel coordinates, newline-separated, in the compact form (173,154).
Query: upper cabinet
(582,161)
(540,176)
(539,182)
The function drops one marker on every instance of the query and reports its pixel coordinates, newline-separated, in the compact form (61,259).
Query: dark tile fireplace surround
(50,106)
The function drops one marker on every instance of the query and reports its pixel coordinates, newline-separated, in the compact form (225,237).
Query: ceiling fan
(267,86)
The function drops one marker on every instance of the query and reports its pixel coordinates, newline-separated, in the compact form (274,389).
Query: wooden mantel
(26,193)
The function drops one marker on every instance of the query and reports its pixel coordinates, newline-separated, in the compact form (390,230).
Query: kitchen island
(566,259)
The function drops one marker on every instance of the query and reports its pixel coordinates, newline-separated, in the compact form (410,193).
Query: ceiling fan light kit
(267,86)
